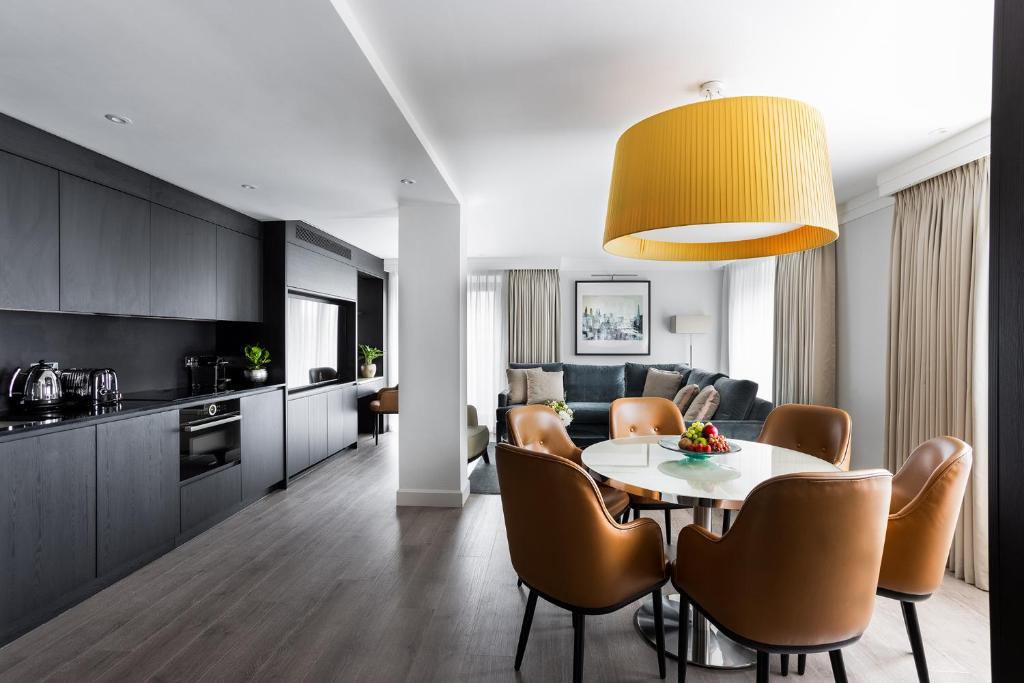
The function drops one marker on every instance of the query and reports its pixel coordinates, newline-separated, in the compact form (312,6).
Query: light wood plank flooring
(330,581)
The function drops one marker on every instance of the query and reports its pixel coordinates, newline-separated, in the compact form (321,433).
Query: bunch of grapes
(718,444)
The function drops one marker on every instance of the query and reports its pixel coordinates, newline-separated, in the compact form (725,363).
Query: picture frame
(613,318)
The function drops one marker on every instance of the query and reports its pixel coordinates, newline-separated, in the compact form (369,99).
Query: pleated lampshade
(722,179)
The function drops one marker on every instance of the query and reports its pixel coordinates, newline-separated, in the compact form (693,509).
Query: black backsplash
(147,353)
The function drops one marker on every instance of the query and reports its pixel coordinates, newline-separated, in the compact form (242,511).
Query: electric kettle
(39,386)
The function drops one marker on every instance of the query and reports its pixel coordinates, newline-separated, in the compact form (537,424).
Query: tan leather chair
(386,403)
(647,416)
(798,570)
(568,550)
(537,428)
(927,494)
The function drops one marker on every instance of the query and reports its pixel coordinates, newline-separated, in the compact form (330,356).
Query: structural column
(432,348)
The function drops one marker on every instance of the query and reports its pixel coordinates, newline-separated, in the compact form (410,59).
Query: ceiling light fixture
(722,179)
(119,120)
(247,186)
(408,181)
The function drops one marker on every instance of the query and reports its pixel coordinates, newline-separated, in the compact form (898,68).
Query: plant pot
(255,376)
(368,370)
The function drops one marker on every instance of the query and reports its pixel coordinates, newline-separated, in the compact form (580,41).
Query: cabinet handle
(210,425)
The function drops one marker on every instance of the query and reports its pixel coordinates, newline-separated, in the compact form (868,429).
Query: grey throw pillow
(703,407)
(684,397)
(662,383)
(516,385)
(542,387)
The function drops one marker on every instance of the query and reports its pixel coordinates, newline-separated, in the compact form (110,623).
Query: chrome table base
(707,648)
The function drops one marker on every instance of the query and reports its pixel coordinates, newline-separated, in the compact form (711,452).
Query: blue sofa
(590,389)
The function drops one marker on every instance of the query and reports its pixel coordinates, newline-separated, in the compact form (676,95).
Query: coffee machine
(206,372)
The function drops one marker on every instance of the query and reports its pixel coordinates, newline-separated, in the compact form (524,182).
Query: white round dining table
(720,481)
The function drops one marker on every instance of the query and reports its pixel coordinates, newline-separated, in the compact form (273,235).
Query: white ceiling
(521,103)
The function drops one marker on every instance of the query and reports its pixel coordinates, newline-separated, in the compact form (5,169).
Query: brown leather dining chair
(820,431)
(927,493)
(647,416)
(385,403)
(537,428)
(798,570)
(569,550)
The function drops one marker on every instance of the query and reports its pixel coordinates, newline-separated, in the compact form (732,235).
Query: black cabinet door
(262,443)
(206,501)
(183,265)
(29,235)
(298,435)
(48,527)
(137,489)
(318,428)
(104,249)
(239,276)
(350,409)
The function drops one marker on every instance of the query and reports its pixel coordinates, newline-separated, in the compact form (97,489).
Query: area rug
(484,477)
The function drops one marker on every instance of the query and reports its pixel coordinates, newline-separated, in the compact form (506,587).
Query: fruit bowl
(672,444)
(701,440)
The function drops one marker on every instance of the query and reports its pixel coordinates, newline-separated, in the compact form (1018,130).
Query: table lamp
(691,325)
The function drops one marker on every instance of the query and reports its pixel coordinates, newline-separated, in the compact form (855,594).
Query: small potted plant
(370,354)
(259,358)
(563,411)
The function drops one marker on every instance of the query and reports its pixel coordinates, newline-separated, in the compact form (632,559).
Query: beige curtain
(805,327)
(938,338)
(534,316)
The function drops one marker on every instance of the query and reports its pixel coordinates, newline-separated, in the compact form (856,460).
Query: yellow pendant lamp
(722,179)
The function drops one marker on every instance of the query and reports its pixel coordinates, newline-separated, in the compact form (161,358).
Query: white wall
(862,285)
(673,292)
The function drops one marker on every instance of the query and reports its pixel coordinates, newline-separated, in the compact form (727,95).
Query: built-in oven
(211,438)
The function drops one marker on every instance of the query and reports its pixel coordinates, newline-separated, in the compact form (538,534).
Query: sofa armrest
(747,430)
(503,399)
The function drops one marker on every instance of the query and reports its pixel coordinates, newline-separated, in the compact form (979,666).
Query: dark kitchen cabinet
(318,427)
(298,435)
(315,272)
(137,489)
(209,499)
(262,443)
(104,249)
(239,276)
(30,235)
(48,527)
(183,265)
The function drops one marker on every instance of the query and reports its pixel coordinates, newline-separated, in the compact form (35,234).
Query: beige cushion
(662,383)
(476,440)
(704,406)
(516,385)
(542,387)
(684,397)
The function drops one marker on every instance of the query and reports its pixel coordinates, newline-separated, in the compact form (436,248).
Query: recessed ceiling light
(119,120)
(938,131)
(247,186)
(408,181)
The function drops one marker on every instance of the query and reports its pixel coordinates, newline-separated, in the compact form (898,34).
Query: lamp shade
(690,324)
(722,179)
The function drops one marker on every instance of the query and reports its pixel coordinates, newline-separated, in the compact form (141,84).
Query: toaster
(93,385)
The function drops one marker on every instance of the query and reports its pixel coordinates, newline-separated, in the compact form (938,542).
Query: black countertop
(17,425)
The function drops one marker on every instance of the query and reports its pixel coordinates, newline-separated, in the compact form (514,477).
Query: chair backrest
(927,494)
(322,374)
(644,416)
(806,552)
(472,419)
(537,428)
(387,399)
(820,431)
(561,539)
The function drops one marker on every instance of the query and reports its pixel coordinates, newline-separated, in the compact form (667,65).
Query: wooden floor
(330,581)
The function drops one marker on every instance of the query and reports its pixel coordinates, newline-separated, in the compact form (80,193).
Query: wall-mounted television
(315,328)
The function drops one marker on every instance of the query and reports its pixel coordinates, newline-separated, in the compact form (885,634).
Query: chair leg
(684,636)
(577,647)
(801,664)
(916,643)
(726,521)
(785,665)
(519,583)
(524,632)
(659,631)
(487,458)
(762,667)
(838,668)
(376,429)
(668,525)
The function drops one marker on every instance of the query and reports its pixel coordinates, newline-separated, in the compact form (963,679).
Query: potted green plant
(259,358)
(370,354)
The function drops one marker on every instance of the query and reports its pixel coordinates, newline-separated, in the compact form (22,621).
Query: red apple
(710,430)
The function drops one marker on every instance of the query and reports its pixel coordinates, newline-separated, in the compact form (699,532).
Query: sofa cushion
(516,385)
(737,397)
(684,397)
(636,375)
(593,382)
(662,383)
(704,378)
(546,367)
(703,407)
(542,387)
(589,412)
(760,409)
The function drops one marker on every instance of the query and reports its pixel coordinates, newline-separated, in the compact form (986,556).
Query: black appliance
(211,437)
(206,371)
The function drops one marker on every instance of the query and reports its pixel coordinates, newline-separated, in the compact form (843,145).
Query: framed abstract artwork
(613,317)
